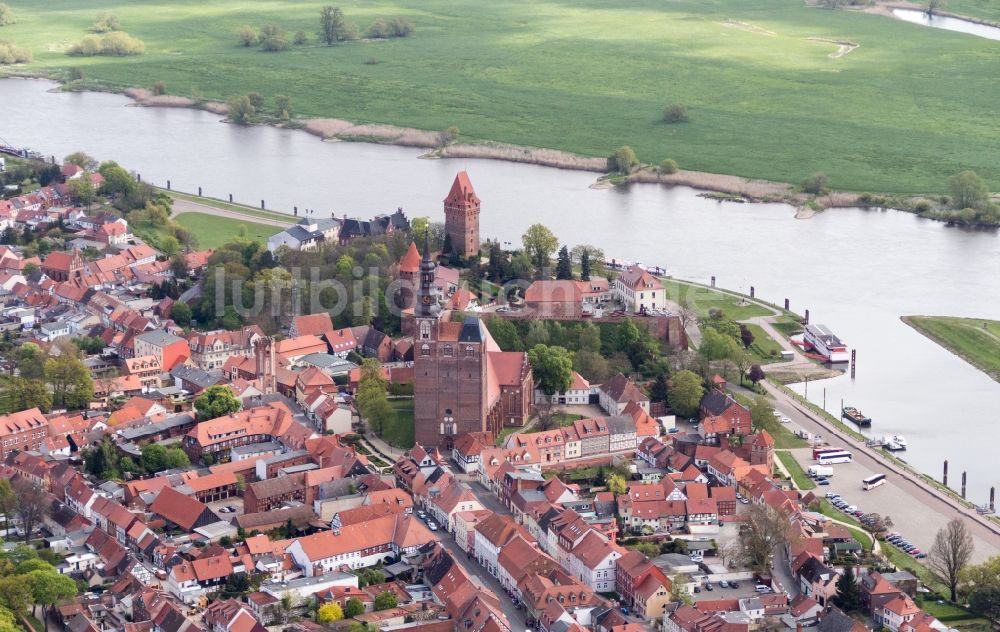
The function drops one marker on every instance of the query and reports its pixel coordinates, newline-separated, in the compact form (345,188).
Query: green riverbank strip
(975,340)
(799,476)
(242,209)
(764,73)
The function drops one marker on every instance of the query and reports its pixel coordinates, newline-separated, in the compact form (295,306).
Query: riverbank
(975,340)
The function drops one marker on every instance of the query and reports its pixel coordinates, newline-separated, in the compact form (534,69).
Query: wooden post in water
(945,479)
(199,191)
(168,185)
(262,203)
(807,316)
(713,280)
(993,497)
(787,303)
(854,362)
(751,291)
(963,485)
(230,198)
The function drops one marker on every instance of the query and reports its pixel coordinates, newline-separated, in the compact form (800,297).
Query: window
(447,351)
(425,350)
(470,351)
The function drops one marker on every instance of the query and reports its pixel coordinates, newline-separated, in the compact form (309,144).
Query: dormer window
(448,351)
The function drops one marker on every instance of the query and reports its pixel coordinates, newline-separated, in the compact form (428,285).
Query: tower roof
(462,191)
(411,260)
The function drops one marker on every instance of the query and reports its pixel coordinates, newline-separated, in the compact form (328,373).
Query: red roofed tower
(461,216)
(409,275)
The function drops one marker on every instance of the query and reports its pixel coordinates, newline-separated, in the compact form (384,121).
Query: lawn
(764,96)
(213,232)
(399,432)
(765,349)
(799,476)
(559,420)
(701,300)
(975,340)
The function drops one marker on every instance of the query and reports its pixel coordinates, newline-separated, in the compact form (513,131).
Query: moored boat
(854,415)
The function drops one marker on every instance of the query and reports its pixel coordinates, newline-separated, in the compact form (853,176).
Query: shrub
(75,73)
(669,166)
(623,160)
(300,38)
(399,27)
(240,109)
(922,207)
(247,36)
(115,44)
(6,15)
(372,61)
(675,113)
(273,38)
(159,88)
(106,22)
(814,184)
(379,29)
(11,54)
(449,135)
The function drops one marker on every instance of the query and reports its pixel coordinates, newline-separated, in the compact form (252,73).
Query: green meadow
(975,340)
(765,95)
(214,231)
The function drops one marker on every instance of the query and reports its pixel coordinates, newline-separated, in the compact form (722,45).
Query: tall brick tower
(450,369)
(461,216)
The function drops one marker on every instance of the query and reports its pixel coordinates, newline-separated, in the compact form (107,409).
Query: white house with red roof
(639,291)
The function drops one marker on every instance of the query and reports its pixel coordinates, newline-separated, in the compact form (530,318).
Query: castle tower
(461,216)
(409,276)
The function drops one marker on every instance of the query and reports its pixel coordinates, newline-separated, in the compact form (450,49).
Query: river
(857,271)
(948,23)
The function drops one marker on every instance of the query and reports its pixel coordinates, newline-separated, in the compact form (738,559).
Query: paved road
(515,616)
(917,509)
(187,206)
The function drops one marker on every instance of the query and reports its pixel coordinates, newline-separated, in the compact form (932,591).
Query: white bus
(873,481)
(839,456)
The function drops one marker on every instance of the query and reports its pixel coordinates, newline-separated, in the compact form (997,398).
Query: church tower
(450,394)
(461,216)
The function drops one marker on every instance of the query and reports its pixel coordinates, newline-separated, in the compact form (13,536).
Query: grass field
(701,300)
(901,113)
(765,349)
(975,340)
(399,432)
(799,476)
(215,231)
(239,208)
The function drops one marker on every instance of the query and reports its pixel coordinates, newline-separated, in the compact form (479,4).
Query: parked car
(708,586)
(733,584)
(697,557)
(786,420)
(761,588)
(823,482)
(723,583)
(432,525)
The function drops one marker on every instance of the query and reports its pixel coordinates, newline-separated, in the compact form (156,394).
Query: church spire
(427,294)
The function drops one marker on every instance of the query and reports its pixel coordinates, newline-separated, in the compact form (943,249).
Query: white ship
(820,340)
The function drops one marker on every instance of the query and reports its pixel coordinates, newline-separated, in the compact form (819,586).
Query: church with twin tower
(463,382)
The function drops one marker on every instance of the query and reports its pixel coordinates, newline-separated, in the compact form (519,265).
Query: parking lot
(745,588)
(913,518)
(235,503)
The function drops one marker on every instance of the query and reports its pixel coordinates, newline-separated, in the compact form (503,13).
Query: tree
(982,575)
(82,191)
(31,505)
(756,374)
(617,485)
(329,612)
(591,365)
(7,499)
(986,602)
(504,333)
(552,368)
(746,336)
(333,28)
(216,401)
(180,312)
(176,459)
(385,600)
(257,101)
(69,378)
(595,259)
(283,106)
(159,88)
(239,109)
(717,346)
(967,190)
(585,266)
(6,15)
(761,414)
(932,6)
(354,607)
(659,390)
(539,243)
(118,182)
(23,394)
(675,113)
(814,184)
(379,29)
(48,587)
(80,159)
(623,160)
(848,596)
(247,35)
(15,594)
(300,38)
(765,530)
(564,269)
(273,38)
(154,458)
(686,391)
(950,553)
